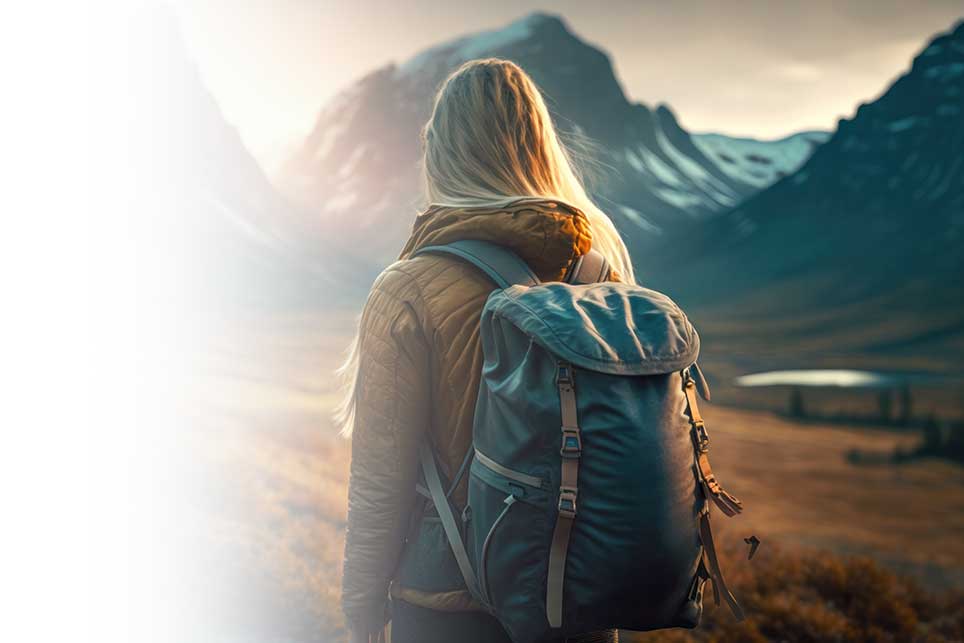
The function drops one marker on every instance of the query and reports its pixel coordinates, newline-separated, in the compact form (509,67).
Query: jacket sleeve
(391,415)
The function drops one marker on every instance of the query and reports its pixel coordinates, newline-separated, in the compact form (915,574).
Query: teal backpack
(589,483)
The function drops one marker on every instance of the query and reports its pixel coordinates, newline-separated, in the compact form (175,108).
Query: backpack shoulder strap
(590,268)
(444,509)
(502,266)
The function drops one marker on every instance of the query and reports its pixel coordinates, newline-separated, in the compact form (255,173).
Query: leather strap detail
(444,510)
(712,489)
(727,503)
(713,565)
(571,451)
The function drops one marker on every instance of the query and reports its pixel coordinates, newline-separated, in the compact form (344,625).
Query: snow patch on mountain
(474,45)
(759,163)
(901,124)
(719,192)
(680,199)
(634,215)
(945,72)
(660,169)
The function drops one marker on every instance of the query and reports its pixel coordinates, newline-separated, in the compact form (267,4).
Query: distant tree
(796,408)
(906,413)
(954,444)
(933,436)
(884,405)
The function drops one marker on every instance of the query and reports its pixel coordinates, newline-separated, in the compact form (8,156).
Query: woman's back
(429,307)
(547,235)
(495,171)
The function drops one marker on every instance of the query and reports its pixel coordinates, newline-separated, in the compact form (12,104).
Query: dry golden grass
(274,505)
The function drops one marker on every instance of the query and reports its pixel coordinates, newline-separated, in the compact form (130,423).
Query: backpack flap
(609,327)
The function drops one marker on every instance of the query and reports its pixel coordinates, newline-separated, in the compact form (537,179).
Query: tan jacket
(420,367)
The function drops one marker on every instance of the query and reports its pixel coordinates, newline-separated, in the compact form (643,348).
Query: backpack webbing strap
(571,450)
(444,510)
(462,469)
(712,489)
(728,504)
(713,563)
(502,266)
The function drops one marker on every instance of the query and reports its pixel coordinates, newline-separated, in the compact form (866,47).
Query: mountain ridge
(357,169)
(858,251)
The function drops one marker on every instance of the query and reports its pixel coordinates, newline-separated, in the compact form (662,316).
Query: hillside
(219,221)
(272,515)
(853,260)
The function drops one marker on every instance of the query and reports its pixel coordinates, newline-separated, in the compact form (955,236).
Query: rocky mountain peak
(358,169)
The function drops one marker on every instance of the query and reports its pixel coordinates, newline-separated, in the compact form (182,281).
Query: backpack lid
(610,327)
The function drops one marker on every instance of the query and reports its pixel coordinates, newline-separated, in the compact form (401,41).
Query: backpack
(589,482)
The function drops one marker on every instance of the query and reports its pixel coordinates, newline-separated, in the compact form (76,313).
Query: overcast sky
(748,68)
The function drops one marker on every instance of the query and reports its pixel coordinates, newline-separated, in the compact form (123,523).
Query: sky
(752,68)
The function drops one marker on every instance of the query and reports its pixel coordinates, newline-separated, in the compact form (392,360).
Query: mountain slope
(759,163)
(358,168)
(219,218)
(858,252)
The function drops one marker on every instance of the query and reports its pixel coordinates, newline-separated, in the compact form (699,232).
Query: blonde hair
(490,141)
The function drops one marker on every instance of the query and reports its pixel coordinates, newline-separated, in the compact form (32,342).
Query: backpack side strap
(727,503)
(713,565)
(712,490)
(444,509)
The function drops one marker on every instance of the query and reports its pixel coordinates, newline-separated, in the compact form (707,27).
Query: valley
(274,508)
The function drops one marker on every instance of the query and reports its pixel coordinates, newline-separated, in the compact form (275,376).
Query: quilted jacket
(419,370)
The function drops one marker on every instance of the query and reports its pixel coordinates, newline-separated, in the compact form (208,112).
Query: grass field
(272,510)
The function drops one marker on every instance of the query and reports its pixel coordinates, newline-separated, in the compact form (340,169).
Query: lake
(821,377)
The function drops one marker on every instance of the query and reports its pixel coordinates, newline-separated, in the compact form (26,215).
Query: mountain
(859,252)
(215,215)
(756,162)
(357,170)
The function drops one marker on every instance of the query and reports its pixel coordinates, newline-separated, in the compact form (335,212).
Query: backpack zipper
(512,474)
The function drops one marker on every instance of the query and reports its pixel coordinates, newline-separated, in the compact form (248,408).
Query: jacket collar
(546,234)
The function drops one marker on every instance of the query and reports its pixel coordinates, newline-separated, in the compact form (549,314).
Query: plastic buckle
(567,502)
(564,373)
(571,444)
(702,438)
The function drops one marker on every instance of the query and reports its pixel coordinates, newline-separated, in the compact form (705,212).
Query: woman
(494,169)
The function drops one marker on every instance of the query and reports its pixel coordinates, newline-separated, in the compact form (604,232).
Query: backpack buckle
(702,438)
(564,373)
(571,443)
(567,502)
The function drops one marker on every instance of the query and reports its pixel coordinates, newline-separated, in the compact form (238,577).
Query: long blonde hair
(490,141)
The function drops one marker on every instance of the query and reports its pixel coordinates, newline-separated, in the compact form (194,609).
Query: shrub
(818,596)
